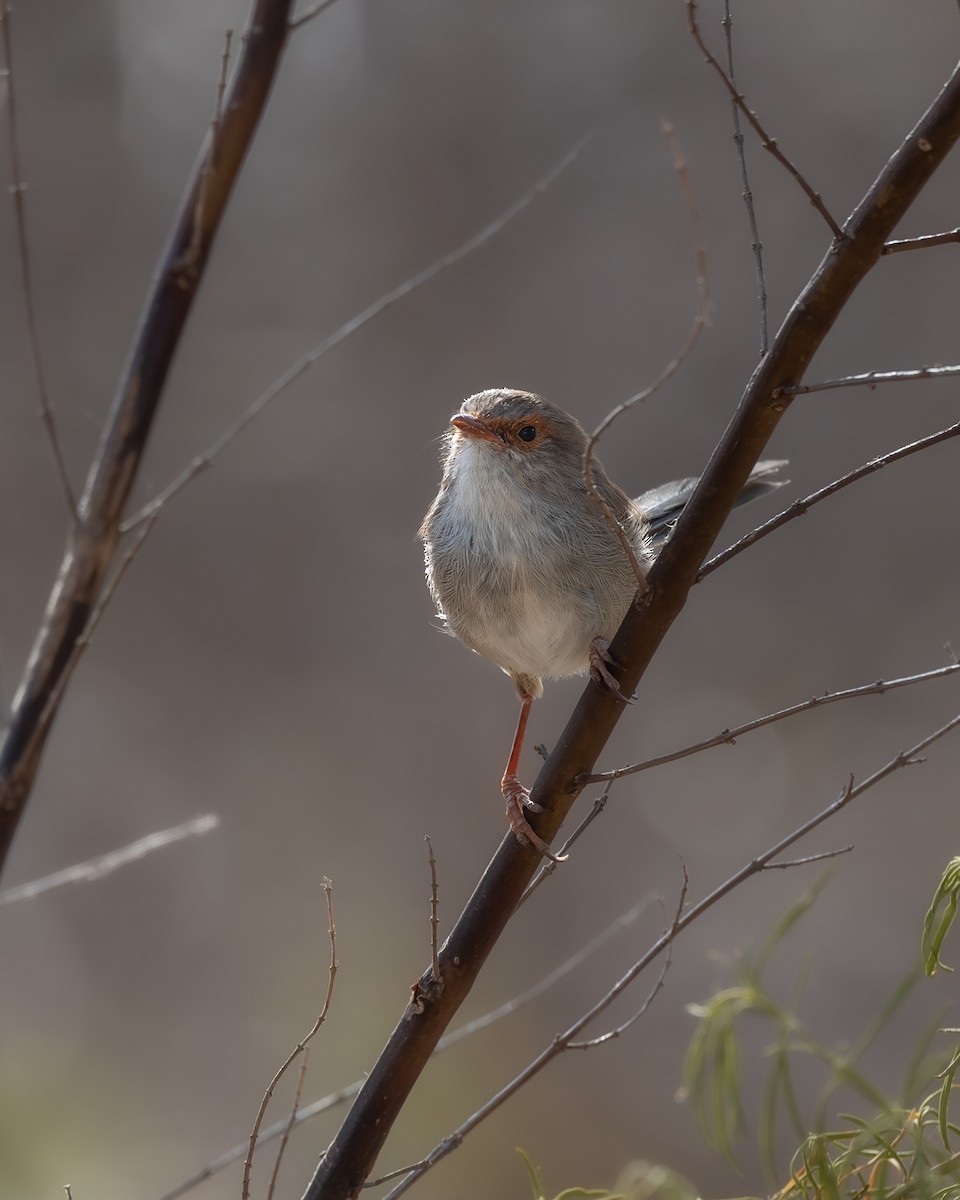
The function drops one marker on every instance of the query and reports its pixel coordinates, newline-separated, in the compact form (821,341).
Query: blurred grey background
(272,657)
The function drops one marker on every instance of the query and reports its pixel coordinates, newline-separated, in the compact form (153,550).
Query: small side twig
(898,245)
(204,460)
(434,913)
(756,244)
(696,328)
(104,864)
(766,141)
(18,190)
(801,507)
(728,737)
(806,861)
(308,14)
(869,379)
(299,1049)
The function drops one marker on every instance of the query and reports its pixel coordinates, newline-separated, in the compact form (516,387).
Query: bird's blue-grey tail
(664,504)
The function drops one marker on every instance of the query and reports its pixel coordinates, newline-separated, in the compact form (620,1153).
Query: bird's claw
(600,657)
(518,798)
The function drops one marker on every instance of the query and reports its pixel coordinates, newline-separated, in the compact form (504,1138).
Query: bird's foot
(600,662)
(518,798)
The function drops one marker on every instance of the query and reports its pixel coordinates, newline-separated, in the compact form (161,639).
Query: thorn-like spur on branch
(314,11)
(801,507)
(349,1159)
(766,141)
(18,190)
(729,737)
(92,543)
(922,243)
(354,325)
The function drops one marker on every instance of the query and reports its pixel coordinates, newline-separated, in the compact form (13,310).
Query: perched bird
(520,560)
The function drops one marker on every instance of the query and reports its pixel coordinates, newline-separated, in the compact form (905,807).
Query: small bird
(520,560)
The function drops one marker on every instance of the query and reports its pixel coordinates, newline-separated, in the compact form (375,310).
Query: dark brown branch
(767,142)
(18,191)
(91,545)
(350,1157)
(800,507)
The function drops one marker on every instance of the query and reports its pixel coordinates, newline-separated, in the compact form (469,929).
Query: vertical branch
(18,190)
(91,545)
(756,244)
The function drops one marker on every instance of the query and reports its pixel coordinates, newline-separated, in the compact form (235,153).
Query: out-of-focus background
(273,658)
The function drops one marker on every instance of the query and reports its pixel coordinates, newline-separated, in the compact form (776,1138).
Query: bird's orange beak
(474,427)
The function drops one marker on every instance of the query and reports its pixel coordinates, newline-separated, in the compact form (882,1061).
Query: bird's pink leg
(600,656)
(516,795)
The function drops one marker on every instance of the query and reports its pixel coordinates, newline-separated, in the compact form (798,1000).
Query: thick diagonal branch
(849,258)
(91,545)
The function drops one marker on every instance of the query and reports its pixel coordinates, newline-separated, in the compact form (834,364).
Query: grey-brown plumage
(521,561)
(522,565)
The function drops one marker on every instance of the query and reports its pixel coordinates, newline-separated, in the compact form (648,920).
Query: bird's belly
(531,634)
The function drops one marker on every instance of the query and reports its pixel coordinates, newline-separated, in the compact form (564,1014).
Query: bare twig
(683,920)
(289,1123)
(801,507)
(308,14)
(766,141)
(728,737)
(922,243)
(299,1049)
(696,328)
(205,459)
(334,1099)
(18,190)
(104,864)
(434,913)
(870,379)
(91,545)
(756,244)
(808,859)
(547,868)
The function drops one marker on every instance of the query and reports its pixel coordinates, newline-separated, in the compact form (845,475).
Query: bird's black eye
(526,433)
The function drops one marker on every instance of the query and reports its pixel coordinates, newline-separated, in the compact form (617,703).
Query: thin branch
(696,328)
(728,737)
(289,1124)
(18,190)
(766,141)
(356,323)
(922,243)
(756,244)
(548,867)
(299,1049)
(104,864)
(621,1029)
(334,1099)
(682,922)
(308,14)
(92,544)
(800,508)
(870,379)
(434,913)
(348,1160)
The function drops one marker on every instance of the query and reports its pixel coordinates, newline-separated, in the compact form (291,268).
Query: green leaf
(937,923)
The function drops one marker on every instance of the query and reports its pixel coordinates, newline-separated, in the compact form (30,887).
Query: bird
(522,563)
